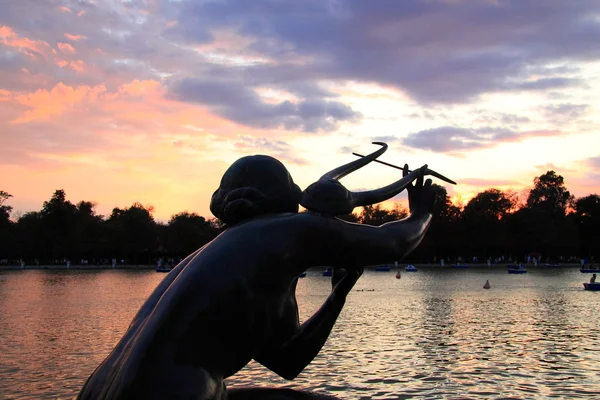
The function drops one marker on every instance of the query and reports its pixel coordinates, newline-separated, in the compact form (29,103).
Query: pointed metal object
(329,196)
(427,172)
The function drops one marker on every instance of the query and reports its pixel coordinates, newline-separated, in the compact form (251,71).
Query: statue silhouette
(233,300)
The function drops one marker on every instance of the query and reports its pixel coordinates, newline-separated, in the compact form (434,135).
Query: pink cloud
(76,65)
(74,38)
(44,104)
(66,48)
(33,48)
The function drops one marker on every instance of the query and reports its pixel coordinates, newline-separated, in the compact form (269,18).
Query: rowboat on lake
(591,286)
(516,269)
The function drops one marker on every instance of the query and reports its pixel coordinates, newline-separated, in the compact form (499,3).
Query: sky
(150,101)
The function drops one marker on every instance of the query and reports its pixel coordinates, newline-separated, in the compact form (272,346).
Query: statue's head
(329,196)
(253,186)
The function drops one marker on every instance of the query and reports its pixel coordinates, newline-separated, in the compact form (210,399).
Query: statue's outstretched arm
(290,358)
(343,244)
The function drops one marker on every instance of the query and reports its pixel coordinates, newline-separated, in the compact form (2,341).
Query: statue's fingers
(406,171)
(421,175)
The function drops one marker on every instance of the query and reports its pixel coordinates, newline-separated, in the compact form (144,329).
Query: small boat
(382,268)
(459,266)
(162,269)
(516,269)
(590,270)
(327,272)
(302,275)
(591,286)
(410,268)
(551,265)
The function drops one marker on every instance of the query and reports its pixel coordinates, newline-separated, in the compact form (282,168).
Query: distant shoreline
(392,267)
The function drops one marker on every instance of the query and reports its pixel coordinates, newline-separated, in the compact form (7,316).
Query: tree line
(547,221)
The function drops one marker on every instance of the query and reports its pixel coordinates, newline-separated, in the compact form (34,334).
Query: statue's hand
(421,196)
(343,280)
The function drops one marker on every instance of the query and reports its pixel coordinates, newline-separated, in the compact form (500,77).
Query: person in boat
(233,300)
(593,278)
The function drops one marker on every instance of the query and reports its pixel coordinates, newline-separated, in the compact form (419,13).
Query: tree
(186,232)
(86,232)
(491,204)
(132,232)
(31,238)
(443,239)
(58,216)
(376,215)
(445,211)
(586,215)
(483,221)
(6,225)
(541,225)
(4,210)
(549,194)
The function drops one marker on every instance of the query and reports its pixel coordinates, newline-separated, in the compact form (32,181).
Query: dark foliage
(551,223)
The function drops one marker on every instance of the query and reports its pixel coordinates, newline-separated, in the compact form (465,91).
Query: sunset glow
(150,101)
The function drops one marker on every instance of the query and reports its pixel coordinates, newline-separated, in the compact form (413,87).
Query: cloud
(66,48)
(44,104)
(593,163)
(274,148)
(547,83)
(453,139)
(243,105)
(424,48)
(100,80)
(74,38)
(563,113)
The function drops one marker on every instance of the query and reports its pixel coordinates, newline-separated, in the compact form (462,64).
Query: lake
(432,334)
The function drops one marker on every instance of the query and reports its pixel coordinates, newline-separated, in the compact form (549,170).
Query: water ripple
(433,334)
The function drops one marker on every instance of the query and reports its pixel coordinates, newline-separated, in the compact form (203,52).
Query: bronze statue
(233,300)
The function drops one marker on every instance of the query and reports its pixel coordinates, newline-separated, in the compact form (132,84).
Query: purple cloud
(437,52)
(454,139)
(275,148)
(242,104)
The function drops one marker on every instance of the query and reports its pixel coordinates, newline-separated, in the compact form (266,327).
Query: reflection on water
(433,334)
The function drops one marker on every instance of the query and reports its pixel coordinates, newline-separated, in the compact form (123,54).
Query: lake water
(431,334)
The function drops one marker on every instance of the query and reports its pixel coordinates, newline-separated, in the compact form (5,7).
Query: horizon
(151,101)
